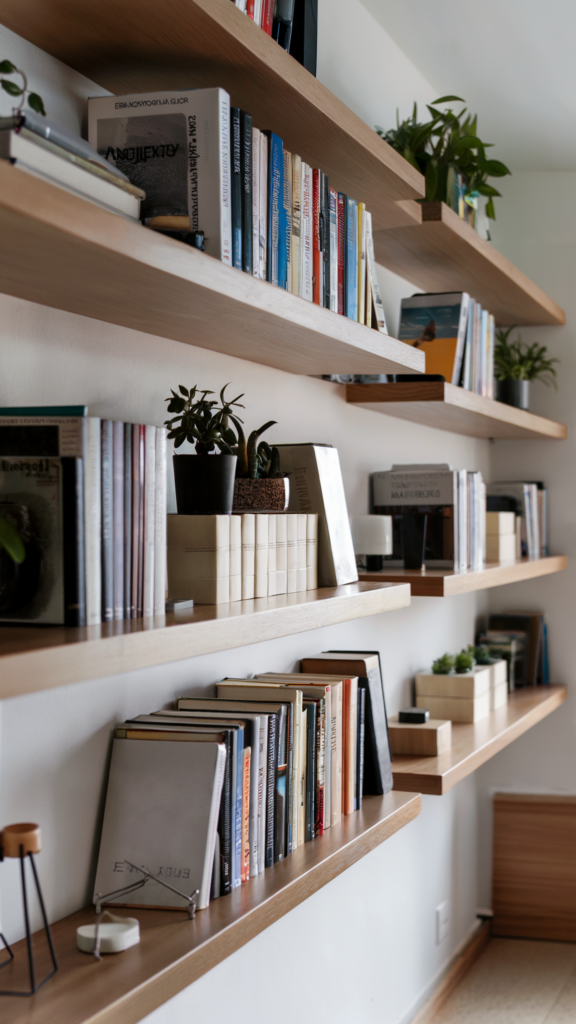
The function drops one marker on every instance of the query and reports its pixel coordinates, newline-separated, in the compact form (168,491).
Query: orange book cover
(245,858)
(317,264)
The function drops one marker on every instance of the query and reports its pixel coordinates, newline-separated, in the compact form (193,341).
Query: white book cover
(272,555)
(469,347)
(263,240)
(372,279)
(281,553)
(306,237)
(258,12)
(261,556)
(149,518)
(175,145)
(295,261)
(248,555)
(311,551)
(292,553)
(301,526)
(235,546)
(256,202)
(160,548)
(150,820)
(361,263)
(199,558)
(93,522)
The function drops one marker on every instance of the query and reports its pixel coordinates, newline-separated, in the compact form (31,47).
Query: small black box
(417,716)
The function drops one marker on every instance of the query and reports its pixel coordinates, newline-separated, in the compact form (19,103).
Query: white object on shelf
(116,934)
(372,535)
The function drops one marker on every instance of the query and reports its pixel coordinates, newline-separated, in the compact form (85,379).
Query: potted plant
(516,364)
(204,481)
(260,486)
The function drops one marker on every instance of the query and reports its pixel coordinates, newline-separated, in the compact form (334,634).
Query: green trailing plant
(204,422)
(515,360)
(443,666)
(35,101)
(446,145)
(257,461)
(11,541)
(464,662)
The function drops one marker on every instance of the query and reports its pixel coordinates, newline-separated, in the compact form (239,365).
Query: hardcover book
(436,324)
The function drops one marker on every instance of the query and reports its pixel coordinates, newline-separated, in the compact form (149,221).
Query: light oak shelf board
(140,46)
(446,407)
(174,952)
(473,745)
(36,658)
(439,252)
(446,582)
(63,251)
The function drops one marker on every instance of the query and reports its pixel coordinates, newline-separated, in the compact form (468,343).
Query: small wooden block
(428,738)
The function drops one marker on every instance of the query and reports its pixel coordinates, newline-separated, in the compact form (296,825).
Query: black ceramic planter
(204,484)
(514,392)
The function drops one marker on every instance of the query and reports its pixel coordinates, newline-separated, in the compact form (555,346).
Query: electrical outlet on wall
(442,921)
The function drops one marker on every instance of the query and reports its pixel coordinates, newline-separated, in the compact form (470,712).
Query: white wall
(372,929)
(536,229)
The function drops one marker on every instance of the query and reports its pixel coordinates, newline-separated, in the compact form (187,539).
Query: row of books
(268,765)
(88,497)
(292,23)
(457,336)
(214,559)
(521,639)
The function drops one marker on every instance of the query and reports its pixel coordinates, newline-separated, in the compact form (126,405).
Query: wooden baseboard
(457,971)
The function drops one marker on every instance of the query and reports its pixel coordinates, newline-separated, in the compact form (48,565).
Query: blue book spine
(285,231)
(275,194)
(236,180)
(351,259)
(238,816)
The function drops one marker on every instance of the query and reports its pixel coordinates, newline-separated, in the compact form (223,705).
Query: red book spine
(341,251)
(316,251)
(250,9)
(268,16)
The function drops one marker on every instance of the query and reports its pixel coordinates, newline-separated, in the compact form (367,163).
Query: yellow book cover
(436,324)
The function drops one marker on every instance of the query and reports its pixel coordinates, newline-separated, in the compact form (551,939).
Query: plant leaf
(11,540)
(35,103)
(11,88)
(7,68)
(448,99)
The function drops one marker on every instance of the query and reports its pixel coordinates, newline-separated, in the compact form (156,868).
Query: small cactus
(443,666)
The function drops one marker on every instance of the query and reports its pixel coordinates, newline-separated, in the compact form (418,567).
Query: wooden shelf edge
(35,659)
(445,583)
(434,776)
(451,408)
(174,952)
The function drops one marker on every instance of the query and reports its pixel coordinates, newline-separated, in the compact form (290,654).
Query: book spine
(309,818)
(289,779)
(225,197)
(160,523)
(255,788)
(320,755)
(270,790)
(292,553)
(281,786)
(275,193)
(136,484)
(248,555)
(272,581)
(285,222)
(325,238)
(245,860)
(336,790)
(149,519)
(361,263)
(250,9)
(281,553)
(317,262)
(73,537)
(237,878)
(301,531)
(262,793)
(127,520)
(295,261)
(246,158)
(236,186)
(224,823)
(92,522)
(374,295)
(204,895)
(258,13)
(327,756)
(267,16)
(118,517)
(360,748)
(263,207)
(107,523)
(333,250)
(351,259)
(302,779)
(261,556)
(142,505)
(341,252)
(295,779)
(306,244)
(255,202)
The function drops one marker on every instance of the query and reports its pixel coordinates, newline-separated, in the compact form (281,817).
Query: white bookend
(248,555)
(301,525)
(256,202)
(263,239)
(281,553)
(199,558)
(311,551)
(261,556)
(149,519)
(272,555)
(292,553)
(93,522)
(306,237)
(160,552)
(295,261)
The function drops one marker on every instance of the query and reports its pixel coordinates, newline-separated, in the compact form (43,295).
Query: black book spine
(246,143)
(127,519)
(224,824)
(107,524)
(236,183)
(360,747)
(270,789)
(283,22)
(304,41)
(289,766)
(325,236)
(73,532)
(311,707)
(280,793)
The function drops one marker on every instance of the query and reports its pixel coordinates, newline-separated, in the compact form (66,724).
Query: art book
(436,324)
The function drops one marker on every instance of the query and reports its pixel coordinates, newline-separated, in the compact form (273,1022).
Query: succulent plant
(443,666)
(464,662)
(202,421)
(257,461)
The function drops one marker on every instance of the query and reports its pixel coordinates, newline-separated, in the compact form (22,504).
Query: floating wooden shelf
(140,46)
(63,251)
(473,745)
(439,252)
(173,951)
(33,659)
(446,407)
(445,582)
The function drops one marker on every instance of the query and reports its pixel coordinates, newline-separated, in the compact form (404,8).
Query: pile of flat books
(46,150)
(205,167)
(521,639)
(527,501)
(266,765)
(87,497)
